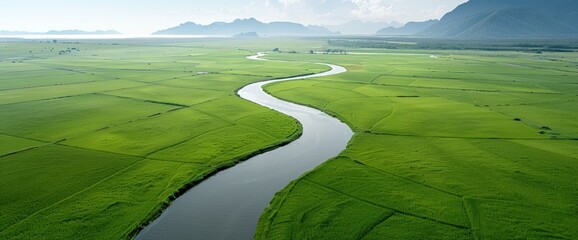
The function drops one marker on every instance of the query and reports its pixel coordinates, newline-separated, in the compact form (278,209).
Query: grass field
(94,143)
(448,145)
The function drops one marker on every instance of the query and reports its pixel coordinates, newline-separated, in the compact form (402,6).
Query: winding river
(228,205)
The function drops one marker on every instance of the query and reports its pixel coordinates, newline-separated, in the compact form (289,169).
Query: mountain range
(502,19)
(410,28)
(247,25)
(475,19)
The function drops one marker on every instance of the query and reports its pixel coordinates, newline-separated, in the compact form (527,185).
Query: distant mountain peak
(188,24)
(252,20)
(247,25)
(410,28)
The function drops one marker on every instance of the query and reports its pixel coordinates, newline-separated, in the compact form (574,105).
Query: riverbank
(232,200)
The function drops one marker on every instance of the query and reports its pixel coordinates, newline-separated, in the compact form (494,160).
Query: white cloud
(339,11)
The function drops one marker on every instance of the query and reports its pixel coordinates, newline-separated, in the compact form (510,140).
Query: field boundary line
(40,145)
(470,89)
(473,138)
(72,195)
(185,140)
(52,85)
(161,83)
(96,150)
(27,138)
(142,99)
(132,121)
(393,109)
(23,150)
(533,124)
(259,130)
(470,219)
(209,113)
(519,204)
(174,161)
(276,210)
(542,103)
(239,74)
(385,207)
(48,99)
(372,81)
(381,220)
(404,178)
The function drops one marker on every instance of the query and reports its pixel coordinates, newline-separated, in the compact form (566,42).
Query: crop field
(448,145)
(96,141)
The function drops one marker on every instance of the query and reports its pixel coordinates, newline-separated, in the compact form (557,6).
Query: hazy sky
(146,16)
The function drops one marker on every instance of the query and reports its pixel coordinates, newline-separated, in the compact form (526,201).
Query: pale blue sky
(146,16)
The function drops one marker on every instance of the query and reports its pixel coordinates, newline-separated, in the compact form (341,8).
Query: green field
(448,145)
(94,143)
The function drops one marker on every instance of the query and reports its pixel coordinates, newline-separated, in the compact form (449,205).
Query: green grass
(52,92)
(95,143)
(469,145)
(214,147)
(172,95)
(158,131)
(408,227)
(40,178)
(13,144)
(109,209)
(399,112)
(45,77)
(225,82)
(57,119)
(318,218)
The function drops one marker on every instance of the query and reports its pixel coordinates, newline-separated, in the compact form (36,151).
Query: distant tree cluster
(279,51)
(68,50)
(537,46)
(329,51)
(335,51)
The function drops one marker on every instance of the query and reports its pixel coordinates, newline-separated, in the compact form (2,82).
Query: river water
(228,205)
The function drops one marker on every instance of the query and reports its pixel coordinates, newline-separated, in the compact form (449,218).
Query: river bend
(228,205)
